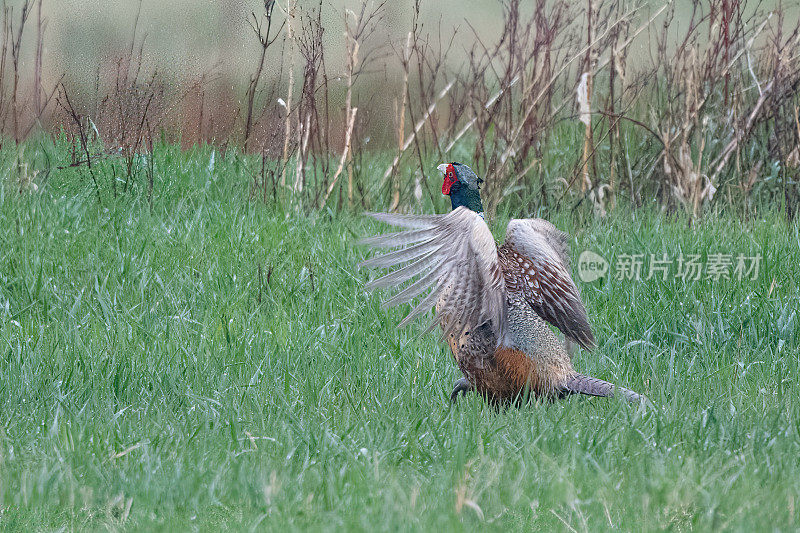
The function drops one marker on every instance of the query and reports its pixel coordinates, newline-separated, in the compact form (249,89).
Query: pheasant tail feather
(580,384)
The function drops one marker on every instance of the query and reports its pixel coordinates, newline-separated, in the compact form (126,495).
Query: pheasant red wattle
(449,179)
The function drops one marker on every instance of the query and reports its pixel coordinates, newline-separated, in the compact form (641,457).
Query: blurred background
(187,38)
(213,42)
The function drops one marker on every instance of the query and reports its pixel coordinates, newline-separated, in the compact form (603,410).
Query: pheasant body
(529,358)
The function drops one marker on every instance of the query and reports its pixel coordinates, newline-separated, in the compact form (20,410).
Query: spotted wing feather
(540,265)
(450,259)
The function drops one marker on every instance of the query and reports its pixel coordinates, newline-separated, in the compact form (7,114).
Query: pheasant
(492,302)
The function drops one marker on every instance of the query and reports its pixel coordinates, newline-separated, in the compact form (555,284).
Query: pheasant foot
(461,386)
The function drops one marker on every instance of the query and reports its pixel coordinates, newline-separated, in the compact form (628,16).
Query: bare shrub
(128,113)
(508,91)
(23,97)
(313,125)
(549,111)
(423,60)
(720,79)
(262,27)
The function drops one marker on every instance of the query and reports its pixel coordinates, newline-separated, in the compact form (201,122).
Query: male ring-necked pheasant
(492,302)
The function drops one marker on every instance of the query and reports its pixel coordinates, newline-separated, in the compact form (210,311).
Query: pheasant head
(462,185)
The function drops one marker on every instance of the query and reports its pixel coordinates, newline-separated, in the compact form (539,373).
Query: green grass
(150,379)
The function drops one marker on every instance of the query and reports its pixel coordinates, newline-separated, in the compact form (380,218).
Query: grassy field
(209,362)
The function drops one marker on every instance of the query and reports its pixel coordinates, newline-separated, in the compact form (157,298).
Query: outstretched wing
(540,262)
(454,255)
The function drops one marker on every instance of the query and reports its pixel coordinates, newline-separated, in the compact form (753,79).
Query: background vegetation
(185,341)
